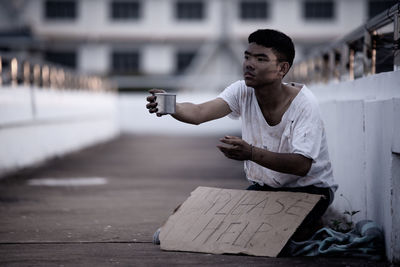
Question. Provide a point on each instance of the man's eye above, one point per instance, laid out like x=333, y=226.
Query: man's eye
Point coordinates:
x=246, y=57
x=262, y=59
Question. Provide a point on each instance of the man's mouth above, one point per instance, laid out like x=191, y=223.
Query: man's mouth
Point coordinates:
x=248, y=74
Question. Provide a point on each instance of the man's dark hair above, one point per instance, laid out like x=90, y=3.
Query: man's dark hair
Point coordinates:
x=279, y=42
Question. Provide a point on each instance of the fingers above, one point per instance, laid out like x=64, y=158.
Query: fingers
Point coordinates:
x=152, y=105
x=154, y=110
x=231, y=140
x=224, y=150
x=231, y=137
x=154, y=91
x=238, y=149
x=229, y=152
x=151, y=98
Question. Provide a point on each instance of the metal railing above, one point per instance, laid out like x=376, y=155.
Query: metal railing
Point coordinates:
x=16, y=71
x=362, y=52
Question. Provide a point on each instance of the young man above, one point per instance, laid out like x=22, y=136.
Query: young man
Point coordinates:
x=283, y=142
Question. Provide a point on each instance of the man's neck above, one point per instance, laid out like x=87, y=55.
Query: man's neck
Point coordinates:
x=271, y=96
x=274, y=100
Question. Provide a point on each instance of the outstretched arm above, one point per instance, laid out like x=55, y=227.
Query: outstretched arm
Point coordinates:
x=291, y=163
x=193, y=113
x=199, y=113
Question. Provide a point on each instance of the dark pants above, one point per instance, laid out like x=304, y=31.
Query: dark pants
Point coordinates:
x=316, y=213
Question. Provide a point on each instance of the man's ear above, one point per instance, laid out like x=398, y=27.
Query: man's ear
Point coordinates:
x=284, y=68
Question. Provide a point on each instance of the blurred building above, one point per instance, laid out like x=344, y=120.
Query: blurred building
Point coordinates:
x=171, y=44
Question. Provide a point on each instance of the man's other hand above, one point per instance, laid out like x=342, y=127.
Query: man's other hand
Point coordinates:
x=238, y=149
x=152, y=105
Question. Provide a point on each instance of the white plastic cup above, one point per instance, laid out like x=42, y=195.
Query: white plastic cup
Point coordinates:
x=166, y=103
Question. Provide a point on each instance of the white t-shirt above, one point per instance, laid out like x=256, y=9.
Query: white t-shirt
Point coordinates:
x=301, y=131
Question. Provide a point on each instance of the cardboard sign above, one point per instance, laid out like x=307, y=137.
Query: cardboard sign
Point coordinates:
x=215, y=220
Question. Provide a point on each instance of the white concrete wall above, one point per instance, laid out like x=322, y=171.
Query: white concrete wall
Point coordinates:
x=38, y=124
x=362, y=123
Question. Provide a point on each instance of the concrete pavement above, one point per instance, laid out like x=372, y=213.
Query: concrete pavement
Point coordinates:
x=113, y=223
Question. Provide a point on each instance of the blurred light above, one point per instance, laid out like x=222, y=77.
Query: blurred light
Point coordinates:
x=14, y=71
x=45, y=75
x=26, y=74
x=68, y=80
x=53, y=78
x=373, y=56
x=36, y=74
x=61, y=78
x=351, y=64
x=92, y=83
x=303, y=69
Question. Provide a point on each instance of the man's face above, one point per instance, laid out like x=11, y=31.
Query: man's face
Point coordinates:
x=261, y=66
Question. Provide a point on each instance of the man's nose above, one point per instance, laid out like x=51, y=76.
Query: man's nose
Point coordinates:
x=248, y=64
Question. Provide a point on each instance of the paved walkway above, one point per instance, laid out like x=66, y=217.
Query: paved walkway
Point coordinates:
x=113, y=223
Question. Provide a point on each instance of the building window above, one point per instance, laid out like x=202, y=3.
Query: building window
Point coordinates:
x=189, y=10
x=125, y=62
x=121, y=10
x=60, y=9
x=376, y=7
x=250, y=10
x=314, y=9
x=183, y=60
x=65, y=58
